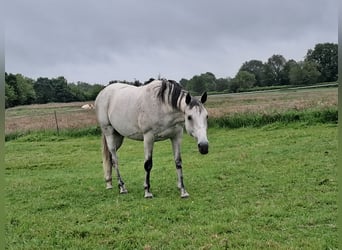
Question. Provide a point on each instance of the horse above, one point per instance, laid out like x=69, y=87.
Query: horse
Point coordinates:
x=153, y=112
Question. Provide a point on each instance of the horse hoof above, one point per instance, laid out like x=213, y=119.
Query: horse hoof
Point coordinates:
x=123, y=191
x=109, y=186
x=184, y=195
x=148, y=195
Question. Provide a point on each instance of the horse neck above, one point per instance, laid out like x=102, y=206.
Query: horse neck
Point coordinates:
x=166, y=95
x=182, y=104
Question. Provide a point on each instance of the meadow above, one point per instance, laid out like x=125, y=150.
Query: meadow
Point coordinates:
x=272, y=186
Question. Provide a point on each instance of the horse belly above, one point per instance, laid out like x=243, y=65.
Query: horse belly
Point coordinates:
x=123, y=116
x=163, y=126
x=126, y=126
x=169, y=132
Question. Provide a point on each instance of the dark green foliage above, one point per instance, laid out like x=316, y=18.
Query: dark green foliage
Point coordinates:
x=256, y=68
x=325, y=56
x=303, y=73
x=242, y=81
x=20, y=90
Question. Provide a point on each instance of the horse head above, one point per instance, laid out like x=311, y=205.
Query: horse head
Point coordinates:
x=196, y=121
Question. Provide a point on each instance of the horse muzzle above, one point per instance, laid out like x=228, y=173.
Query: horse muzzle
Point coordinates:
x=203, y=148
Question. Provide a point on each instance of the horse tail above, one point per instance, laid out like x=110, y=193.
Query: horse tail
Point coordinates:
x=107, y=162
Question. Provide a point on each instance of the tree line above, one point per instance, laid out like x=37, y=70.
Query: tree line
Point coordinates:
x=21, y=90
x=319, y=65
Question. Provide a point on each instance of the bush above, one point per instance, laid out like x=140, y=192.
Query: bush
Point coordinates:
x=258, y=120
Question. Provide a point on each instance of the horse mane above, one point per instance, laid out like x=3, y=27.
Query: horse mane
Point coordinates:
x=175, y=91
x=149, y=81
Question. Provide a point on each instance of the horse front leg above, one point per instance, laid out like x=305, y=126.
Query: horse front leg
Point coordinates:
x=148, y=149
x=176, y=142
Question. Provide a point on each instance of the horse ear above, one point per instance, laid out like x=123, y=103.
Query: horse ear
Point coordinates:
x=204, y=97
x=187, y=99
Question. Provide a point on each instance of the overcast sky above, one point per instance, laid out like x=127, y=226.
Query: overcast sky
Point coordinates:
x=98, y=41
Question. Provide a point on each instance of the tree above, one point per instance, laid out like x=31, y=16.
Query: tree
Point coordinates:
x=325, y=56
x=310, y=73
x=77, y=91
x=303, y=73
x=18, y=90
x=10, y=96
x=25, y=91
x=255, y=67
x=296, y=74
x=62, y=91
x=242, y=81
x=222, y=84
x=274, y=73
x=83, y=91
x=184, y=82
x=45, y=92
x=209, y=80
x=286, y=71
x=201, y=83
x=94, y=91
x=196, y=84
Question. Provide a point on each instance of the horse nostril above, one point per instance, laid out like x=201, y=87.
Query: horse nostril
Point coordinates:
x=203, y=148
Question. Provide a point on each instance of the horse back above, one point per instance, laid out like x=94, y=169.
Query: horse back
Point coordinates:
x=134, y=111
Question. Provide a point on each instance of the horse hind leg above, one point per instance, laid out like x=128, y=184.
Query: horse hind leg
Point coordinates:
x=113, y=141
x=107, y=163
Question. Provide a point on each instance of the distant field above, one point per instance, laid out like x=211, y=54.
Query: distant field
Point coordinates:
x=70, y=115
x=275, y=101
x=42, y=117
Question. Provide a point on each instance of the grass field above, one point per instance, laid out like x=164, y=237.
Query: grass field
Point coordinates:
x=268, y=188
x=270, y=185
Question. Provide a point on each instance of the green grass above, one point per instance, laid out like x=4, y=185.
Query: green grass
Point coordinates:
x=53, y=134
x=272, y=187
x=309, y=116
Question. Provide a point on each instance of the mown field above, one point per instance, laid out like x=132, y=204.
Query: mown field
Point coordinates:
x=267, y=187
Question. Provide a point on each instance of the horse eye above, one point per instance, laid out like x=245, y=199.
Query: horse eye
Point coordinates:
x=189, y=118
x=207, y=117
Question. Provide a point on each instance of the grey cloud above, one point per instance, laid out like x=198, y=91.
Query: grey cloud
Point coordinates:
x=87, y=40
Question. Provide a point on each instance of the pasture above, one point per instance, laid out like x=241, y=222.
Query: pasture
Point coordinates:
x=273, y=187
x=269, y=188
